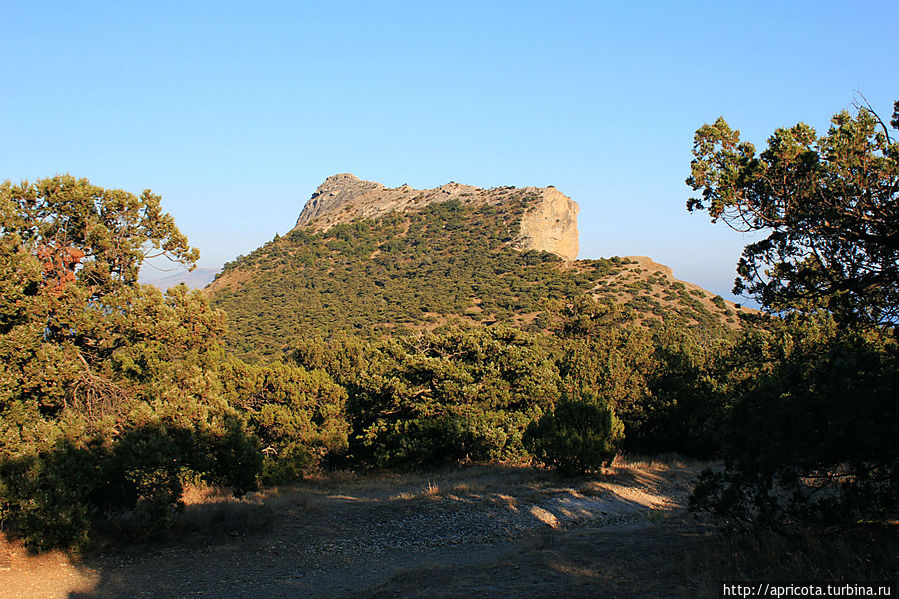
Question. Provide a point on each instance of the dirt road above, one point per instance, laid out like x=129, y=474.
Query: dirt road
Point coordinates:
x=481, y=531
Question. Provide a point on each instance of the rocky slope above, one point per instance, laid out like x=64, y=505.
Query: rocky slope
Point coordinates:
x=550, y=222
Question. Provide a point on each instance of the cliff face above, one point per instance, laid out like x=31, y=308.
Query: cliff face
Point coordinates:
x=550, y=222
x=552, y=225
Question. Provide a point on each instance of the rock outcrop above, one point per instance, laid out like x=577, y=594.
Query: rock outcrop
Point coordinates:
x=550, y=223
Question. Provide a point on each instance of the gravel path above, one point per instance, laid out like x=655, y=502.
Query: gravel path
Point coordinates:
x=354, y=540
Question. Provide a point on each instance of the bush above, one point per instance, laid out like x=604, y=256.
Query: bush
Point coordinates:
x=53, y=496
x=299, y=415
x=812, y=433
x=451, y=396
x=686, y=403
x=578, y=436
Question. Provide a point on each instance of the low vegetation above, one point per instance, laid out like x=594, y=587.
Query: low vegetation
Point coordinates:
x=580, y=435
x=425, y=339
x=446, y=263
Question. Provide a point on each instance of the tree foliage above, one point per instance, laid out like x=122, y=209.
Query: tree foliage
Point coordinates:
x=77, y=231
x=810, y=427
x=604, y=349
x=688, y=394
x=828, y=205
x=660, y=380
x=298, y=415
x=579, y=435
x=812, y=431
x=109, y=398
x=458, y=395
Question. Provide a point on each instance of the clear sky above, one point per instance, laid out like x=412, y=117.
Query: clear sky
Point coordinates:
x=235, y=112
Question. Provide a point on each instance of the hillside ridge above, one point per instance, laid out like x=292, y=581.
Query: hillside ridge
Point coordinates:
x=444, y=263
x=198, y=278
x=550, y=222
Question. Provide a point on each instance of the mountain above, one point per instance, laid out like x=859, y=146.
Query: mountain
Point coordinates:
x=197, y=278
x=371, y=260
x=550, y=222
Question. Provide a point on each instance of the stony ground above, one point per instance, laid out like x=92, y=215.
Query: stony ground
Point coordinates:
x=479, y=531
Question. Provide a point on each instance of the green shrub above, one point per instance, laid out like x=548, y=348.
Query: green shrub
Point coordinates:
x=299, y=415
x=684, y=404
x=53, y=495
x=812, y=433
x=450, y=396
x=577, y=436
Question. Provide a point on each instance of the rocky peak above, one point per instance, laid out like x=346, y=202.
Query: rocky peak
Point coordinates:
x=549, y=224
x=335, y=192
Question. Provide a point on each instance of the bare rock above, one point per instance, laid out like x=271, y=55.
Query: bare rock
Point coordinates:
x=549, y=224
x=552, y=225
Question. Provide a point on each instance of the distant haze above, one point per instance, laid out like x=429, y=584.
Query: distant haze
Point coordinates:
x=195, y=279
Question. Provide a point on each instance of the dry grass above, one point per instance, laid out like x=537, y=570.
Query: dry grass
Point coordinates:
x=863, y=553
x=212, y=512
x=662, y=463
x=208, y=512
x=209, y=509
x=474, y=482
x=429, y=491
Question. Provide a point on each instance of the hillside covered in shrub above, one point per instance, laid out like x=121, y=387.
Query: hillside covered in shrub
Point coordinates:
x=420, y=268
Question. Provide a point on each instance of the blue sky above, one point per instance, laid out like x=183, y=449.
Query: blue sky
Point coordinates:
x=235, y=112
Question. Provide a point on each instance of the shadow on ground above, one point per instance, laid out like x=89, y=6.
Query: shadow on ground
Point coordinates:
x=485, y=530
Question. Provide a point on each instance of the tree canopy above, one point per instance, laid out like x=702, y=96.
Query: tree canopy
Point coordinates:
x=108, y=394
x=828, y=205
x=80, y=231
x=809, y=432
